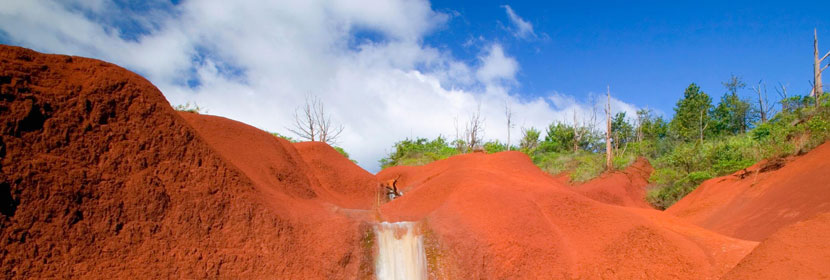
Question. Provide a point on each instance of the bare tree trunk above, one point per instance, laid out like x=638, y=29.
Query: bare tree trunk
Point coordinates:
x=762, y=108
x=702, y=126
x=577, y=133
x=782, y=92
x=609, y=154
x=508, y=112
x=817, y=69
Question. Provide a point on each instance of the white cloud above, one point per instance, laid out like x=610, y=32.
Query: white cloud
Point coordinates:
x=521, y=28
x=255, y=61
x=497, y=67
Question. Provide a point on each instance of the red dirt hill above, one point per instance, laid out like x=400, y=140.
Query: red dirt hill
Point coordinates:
x=350, y=185
x=755, y=203
x=499, y=216
x=623, y=187
x=102, y=179
x=797, y=251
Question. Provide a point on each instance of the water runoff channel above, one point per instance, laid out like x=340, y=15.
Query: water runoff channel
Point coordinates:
x=400, y=245
x=401, y=253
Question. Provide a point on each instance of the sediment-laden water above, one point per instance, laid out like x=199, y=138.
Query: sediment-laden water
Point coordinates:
x=401, y=252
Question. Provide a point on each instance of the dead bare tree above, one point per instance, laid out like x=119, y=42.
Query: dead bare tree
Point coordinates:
x=764, y=109
x=577, y=133
x=817, y=69
x=474, y=130
x=609, y=154
x=313, y=124
x=640, y=119
x=782, y=93
x=508, y=112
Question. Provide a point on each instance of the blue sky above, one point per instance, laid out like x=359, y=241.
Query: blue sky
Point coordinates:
x=393, y=69
x=648, y=51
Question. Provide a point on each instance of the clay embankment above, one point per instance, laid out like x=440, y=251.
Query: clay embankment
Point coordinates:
x=796, y=251
x=621, y=187
x=101, y=179
x=499, y=216
x=753, y=204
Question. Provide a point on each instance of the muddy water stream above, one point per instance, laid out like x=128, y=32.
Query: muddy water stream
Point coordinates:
x=401, y=252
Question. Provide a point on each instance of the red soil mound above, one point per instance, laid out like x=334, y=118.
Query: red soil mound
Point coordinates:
x=102, y=179
x=797, y=251
x=499, y=216
x=624, y=188
x=350, y=185
x=755, y=203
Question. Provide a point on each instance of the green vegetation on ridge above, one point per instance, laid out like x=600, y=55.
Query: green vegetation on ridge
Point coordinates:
x=702, y=141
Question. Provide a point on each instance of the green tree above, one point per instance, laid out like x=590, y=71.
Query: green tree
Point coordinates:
x=731, y=116
x=622, y=132
x=530, y=140
x=651, y=127
x=692, y=115
x=494, y=146
x=559, y=137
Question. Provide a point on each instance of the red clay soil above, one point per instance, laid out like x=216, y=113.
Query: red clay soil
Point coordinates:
x=350, y=185
x=102, y=179
x=797, y=251
x=623, y=187
x=755, y=203
x=500, y=217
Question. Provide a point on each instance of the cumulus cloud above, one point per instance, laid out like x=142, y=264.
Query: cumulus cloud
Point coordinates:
x=256, y=61
x=496, y=67
x=521, y=28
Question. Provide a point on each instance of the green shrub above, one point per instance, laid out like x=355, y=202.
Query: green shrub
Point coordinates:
x=494, y=147
x=344, y=153
x=589, y=166
x=192, y=108
x=289, y=139
x=583, y=165
x=624, y=160
x=418, y=152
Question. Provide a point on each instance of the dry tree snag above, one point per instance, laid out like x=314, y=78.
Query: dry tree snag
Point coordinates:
x=508, y=112
x=609, y=154
x=764, y=108
x=474, y=130
x=313, y=124
x=817, y=69
x=577, y=133
x=782, y=94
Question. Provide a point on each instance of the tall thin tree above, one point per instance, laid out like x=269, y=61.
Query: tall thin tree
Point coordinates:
x=817, y=69
x=508, y=112
x=609, y=154
x=782, y=93
x=577, y=133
